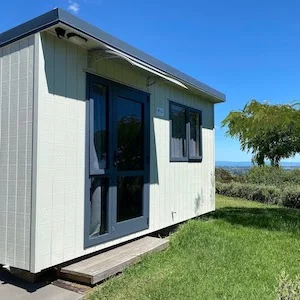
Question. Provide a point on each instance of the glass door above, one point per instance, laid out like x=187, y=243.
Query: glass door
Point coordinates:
x=131, y=160
x=117, y=179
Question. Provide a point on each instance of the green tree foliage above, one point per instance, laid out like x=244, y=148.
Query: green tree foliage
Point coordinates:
x=269, y=132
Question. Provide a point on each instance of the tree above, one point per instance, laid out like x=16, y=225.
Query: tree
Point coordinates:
x=269, y=132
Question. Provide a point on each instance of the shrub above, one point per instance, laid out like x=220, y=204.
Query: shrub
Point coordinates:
x=268, y=175
x=288, y=196
x=291, y=197
x=272, y=176
x=293, y=176
x=288, y=289
x=253, y=192
x=223, y=175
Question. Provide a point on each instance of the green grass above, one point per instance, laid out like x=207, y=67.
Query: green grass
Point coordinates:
x=236, y=252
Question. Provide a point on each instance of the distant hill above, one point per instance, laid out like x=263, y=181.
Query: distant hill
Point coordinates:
x=233, y=164
x=247, y=164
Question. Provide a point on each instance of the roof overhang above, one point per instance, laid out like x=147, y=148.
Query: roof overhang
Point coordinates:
x=112, y=45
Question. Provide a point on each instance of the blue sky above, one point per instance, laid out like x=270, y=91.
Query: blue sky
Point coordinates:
x=246, y=49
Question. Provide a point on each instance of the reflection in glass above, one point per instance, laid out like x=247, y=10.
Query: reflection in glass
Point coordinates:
x=98, y=206
x=99, y=149
x=178, y=139
x=130, y=148
x=129, y=197
x=194, y=145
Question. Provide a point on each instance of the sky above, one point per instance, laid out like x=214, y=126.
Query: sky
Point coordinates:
x=245, y=49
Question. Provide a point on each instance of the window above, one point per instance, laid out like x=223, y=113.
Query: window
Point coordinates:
x=185, y=133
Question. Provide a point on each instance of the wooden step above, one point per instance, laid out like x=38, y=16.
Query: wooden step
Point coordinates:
x=99, y=267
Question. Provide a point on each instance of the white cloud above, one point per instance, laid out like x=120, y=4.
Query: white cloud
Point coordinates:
x=73, y=7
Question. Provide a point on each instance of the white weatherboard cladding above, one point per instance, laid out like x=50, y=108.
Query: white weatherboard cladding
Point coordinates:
x=178, y=191
x=16, y=102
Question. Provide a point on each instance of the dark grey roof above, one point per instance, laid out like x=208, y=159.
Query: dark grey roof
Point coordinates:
x=60, y=16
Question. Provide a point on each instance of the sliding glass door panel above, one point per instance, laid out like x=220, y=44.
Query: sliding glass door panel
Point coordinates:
x=118, y=160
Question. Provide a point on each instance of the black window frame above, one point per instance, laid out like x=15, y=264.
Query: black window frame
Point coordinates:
x=187, y=158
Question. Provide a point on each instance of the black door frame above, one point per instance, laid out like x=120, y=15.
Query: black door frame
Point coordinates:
x=116, y=230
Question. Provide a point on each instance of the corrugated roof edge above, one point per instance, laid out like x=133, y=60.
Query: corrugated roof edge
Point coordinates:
x=58, y=15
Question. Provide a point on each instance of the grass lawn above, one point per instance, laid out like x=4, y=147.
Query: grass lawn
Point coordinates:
x=236, y=252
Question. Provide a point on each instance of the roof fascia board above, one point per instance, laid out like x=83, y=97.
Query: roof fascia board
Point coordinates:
x=35, y=25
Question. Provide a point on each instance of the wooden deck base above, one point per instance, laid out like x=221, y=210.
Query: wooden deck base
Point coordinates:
x=99, y=267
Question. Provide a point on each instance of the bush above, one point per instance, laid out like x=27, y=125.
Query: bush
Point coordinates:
x=253, y=192
x=268, y=175
x=294, y=176
x=288, y=289
x=288, y=196
x=272, y=176
x=291, y=197
x=265, y=184
x=223, y=175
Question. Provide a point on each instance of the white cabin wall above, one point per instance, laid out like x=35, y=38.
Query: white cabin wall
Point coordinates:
x=16, y=103
x=184, y=188
x=60, y=152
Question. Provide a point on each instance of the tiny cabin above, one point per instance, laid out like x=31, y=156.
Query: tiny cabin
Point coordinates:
x=100, y=143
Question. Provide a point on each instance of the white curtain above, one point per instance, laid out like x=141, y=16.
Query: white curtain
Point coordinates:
x=95, y=212
x=193, y=148
x=177, y=147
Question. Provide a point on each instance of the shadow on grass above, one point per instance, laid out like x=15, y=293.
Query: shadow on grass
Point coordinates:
x=275, y=219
